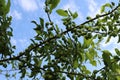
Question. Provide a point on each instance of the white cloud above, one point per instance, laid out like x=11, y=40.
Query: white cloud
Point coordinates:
x=28, y=5
x=16, y=15
x=93, y=8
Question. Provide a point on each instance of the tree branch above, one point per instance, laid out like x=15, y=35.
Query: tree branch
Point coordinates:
x=56, y=36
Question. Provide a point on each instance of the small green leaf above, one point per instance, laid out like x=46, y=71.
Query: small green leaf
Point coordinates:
x=38, y=38
x=104, y=6
x=113, y=4
x=89, y=56
x=42, y=22
x=107, y=5
x=106, y=57
x=75, y=15
x=108, y=39
x=87, y=72
x=62, y=12
x=87, y=43
x=32, y=42
x=39, y=62
x=93, y=62
x=102, y=9
x=10, y=33
x=75, y=64
x=54, y=4
x=117, y=51
x=7, y=7
x=38, y=30
x=57, y=29
x=34, y=22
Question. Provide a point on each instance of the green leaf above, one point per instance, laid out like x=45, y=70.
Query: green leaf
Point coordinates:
x=113, y=4
x=108, y=39
x=4, y=65
x=117, y=51
x=34, y=22
x=106, y=57
x=62, y=12
x=2, y=7
x=87, y=43
x=7, y=7
x=107, y=5
x=54, y=4
x=10, y=33
x=104, y=6
x=39, y=62
x=75, y=64
x=38, y=30
x=75, y=15
x=89, y=56
x=38, y=38
x=93, y=62
x=42, y=22
x=102, y=9
x=57, y=29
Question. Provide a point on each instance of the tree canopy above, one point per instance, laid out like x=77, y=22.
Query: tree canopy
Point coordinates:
x=59, y=54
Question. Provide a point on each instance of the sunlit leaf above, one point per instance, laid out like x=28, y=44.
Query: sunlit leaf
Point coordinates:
x=93, y=62
x=62, y=12
x=89, y=56
x=104, y=6
x=87, y=43
x=75, y=15
x=75, y=64
x=54, y=4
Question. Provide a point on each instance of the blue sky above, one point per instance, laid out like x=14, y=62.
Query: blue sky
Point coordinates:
x=24, y=11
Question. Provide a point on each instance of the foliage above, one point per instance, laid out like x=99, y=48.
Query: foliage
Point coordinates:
x=58, y=54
